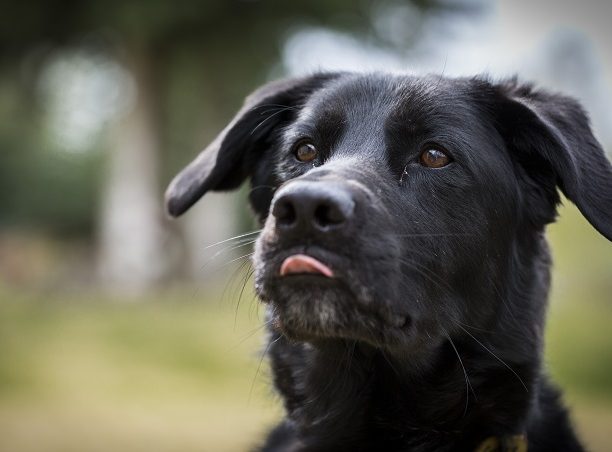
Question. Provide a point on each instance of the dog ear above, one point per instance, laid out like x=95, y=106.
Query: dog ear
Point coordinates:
x=233, y=154
x=553, y=130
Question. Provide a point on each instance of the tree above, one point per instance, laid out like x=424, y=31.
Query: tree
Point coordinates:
x=175, y=51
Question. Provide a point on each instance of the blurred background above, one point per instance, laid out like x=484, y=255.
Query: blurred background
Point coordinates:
x=122, y=330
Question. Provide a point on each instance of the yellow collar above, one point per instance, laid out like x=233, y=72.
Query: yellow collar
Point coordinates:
x=514, y=443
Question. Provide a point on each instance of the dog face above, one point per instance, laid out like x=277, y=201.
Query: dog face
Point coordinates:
x=393, y=206
x=395, y=201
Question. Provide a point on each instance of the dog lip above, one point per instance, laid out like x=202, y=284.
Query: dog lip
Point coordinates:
x=303, y=264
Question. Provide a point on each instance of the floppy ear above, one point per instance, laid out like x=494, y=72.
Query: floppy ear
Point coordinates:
x=553, y=130
x=232, y=156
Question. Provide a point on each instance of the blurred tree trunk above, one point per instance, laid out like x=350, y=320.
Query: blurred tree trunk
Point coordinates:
x=130, y=224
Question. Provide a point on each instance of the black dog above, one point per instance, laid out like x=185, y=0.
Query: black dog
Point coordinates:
x=403, y=257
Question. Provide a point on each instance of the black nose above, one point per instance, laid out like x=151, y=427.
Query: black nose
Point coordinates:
x=306, y=206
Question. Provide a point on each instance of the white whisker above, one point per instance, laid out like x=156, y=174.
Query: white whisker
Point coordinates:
x=234, y=238
x=468, y=385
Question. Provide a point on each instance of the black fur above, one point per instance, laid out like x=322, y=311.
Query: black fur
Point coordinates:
x=429, y=337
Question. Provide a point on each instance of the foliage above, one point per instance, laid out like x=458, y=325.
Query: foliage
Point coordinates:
x=201, y=57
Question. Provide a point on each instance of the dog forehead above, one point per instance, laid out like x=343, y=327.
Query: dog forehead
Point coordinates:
x=355, y=97
x=384, y=100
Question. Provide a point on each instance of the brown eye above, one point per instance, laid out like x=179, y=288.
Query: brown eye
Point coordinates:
x=434, y=158
x=305, y=152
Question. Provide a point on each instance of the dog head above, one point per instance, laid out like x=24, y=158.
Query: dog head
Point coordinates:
x=393, y=206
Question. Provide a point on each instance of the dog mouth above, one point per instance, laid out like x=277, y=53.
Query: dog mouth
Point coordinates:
x=316, y=294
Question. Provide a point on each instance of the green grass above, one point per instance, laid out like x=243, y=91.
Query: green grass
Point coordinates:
x=579, y=345
x=166, y=374
x=179, y=372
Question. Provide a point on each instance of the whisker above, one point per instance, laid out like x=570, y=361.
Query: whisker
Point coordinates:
x=249, y=334
x=225, y=250
x=504, y=302
x=468, y=385
x=442, y=73
x=234, y=260
x=424, y=271
x=268, y=118
x=244, y=283
x=263, y=355
x=496, y=357
x=245, y=270
x=386, y=358
x=254, y=306
x=474, y=327
x=230, y=282
x=288, y=107
x=234, y=238
x=245, y=280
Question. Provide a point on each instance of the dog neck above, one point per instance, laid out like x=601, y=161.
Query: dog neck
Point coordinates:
x=349, y=393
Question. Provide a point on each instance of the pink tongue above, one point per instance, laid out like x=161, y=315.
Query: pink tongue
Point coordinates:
x=300, y=263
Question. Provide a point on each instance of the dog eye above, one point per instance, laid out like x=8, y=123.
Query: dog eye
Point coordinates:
x=434, y=158
x=305, y=152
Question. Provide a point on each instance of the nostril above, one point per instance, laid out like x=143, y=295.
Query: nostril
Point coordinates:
x=284, y=212
x=326, y=215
